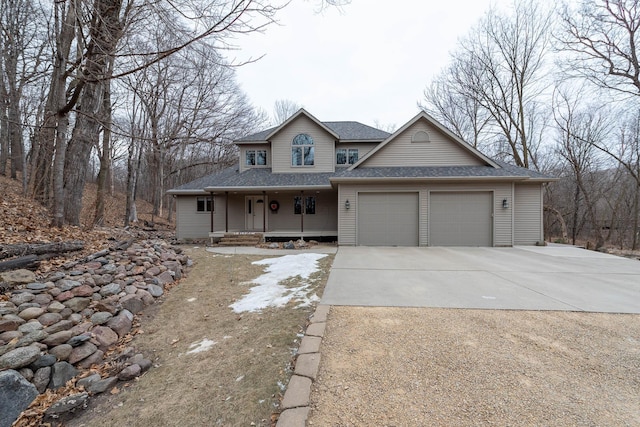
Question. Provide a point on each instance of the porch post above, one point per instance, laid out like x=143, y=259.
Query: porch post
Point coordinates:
x=226, y=211
x=211, y=212
x=264, y=211
x=302, y=211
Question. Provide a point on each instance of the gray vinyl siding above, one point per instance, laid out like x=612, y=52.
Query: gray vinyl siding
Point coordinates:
x=441, y=151
x=243, y=151
x=191, y=224
x=363, y=149
x=325, y=218
x=323, y=142
x=502, y=218
x=527, y=215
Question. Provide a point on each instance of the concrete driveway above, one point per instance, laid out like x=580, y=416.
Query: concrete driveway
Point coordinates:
x=519, y=278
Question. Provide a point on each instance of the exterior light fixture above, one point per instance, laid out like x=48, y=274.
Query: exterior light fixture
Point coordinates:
x=505, y=204
x=347, y=205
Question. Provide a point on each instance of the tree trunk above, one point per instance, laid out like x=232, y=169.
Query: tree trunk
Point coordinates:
x=105, y=158
x=105, y=32
x=54, y=116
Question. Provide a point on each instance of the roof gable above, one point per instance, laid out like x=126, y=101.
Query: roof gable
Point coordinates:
x=340, y=130
x=445, y=148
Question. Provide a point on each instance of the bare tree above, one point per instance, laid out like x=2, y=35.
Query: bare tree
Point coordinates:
x=462, y=114
x=602, y=36
x=283, y=109
x=497, y=80
x=579, y=130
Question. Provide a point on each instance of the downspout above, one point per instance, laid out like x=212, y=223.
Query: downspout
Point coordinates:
x=226, y=211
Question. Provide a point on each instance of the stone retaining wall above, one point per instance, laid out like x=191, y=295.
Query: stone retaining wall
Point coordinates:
x=55, y=327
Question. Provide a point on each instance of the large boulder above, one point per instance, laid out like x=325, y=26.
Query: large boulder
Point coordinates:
x=16, y=394
x=19, y=357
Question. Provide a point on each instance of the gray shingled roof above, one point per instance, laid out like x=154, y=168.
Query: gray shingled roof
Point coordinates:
x=264, y=178
x=441, y=172
x=345, y=130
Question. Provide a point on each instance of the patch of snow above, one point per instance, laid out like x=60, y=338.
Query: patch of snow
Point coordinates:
x=226, y=337
x=203, y=345
x=269, y=292
x=240, y=378
x=191, y=299
x=307, y=301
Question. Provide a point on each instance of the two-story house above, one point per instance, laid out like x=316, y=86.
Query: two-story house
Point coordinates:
x=346, y=181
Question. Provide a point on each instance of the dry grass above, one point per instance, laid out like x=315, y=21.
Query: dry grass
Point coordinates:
x=237, y=381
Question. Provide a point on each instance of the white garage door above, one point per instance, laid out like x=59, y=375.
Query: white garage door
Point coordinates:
x=461, y=219
x=388, y=219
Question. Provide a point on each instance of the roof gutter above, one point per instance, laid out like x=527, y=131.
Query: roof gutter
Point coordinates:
x=356, y=180
x=270, y=188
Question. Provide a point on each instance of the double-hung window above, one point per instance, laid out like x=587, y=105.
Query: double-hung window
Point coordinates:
x=307, y=203
x=256, y=158
x=302, y=150
x=204, y=204
x=346, y=156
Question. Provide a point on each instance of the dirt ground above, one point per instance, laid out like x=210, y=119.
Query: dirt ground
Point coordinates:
x=238, y=381
x=443, y=367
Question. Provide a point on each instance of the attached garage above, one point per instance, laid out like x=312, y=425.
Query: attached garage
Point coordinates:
x=388, y=219
x=461, y=218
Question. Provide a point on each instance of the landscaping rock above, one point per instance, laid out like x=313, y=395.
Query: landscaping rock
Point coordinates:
x=61, y=372
x=104, y=336
x=21, y=298
x=130, y=372
x=77, y=304
x=55, y=307
x=83, y=291
x=164, y=279
x=155, y=290
x=58, y=338
x=82, y=352
x=101, y=317
x=61, y=352
x=16, y=394
x=8, y=325
x=95, y=359
x=132, y=303
x=19, y=357
x=18, y=277
x=121, y=323
x=32, y=337
x=41, y=378
x=62, y=325
x=101, y=386
x=27, y=328
x=48, y=319
x=42, y=361
x=110, y=289
x=31, y=313
x=67, y=285
x=78, y=340
x=67, y=404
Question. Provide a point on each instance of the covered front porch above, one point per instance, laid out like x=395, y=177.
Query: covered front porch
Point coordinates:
x=277, y=215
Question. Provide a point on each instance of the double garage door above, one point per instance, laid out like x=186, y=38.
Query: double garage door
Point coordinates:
x=455, y=219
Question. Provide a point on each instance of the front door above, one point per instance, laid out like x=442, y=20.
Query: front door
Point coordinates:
x=254, y=212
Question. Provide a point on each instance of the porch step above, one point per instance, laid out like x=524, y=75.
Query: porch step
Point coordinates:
x=241, y=239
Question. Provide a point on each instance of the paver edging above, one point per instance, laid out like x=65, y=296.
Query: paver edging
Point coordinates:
x=297, y=398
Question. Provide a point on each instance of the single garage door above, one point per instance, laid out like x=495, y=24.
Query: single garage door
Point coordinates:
x=388, y=219
x=460, y=219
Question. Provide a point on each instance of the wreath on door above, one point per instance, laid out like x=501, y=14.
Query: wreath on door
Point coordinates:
x=274, y=206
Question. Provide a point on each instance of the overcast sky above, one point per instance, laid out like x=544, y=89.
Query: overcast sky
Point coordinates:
x=369, y=61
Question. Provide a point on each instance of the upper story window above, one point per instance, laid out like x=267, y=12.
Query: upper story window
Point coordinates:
x=302, y=150
x=204, y=204
x=346, y=156
x=256, y=158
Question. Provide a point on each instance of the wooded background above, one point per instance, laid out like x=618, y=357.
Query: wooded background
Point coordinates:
x=138, y=96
